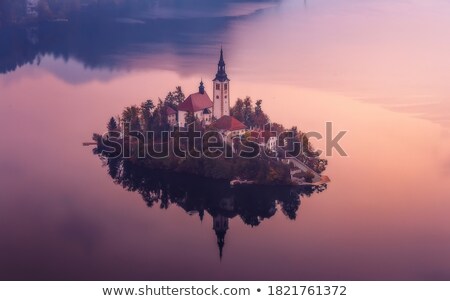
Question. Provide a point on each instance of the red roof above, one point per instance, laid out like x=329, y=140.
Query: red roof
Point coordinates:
x=170, y=111
x=229, y=123
x=196, y=102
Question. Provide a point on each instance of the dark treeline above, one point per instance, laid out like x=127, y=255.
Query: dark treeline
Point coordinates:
x=20, y=11
x=95, y=41
x=95, y=32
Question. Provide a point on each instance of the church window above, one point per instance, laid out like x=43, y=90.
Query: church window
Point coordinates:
x=217, y=96
x=217, y=86
x=226, y=86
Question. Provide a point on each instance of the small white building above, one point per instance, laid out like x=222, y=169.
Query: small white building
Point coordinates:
x=264, y=141
x=271, y=144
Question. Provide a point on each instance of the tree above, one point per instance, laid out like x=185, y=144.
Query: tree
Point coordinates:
x=112, y=124
x=251, y=116
x=146, y=112
x=131, y=115
x=174, y=98
x=293, y=138
x=290, y=206
x=260, y=119
x=147, y=105
x=258, y=108
x=237, y=110
x=248, y=112
x=179, y=95
x=159, y=119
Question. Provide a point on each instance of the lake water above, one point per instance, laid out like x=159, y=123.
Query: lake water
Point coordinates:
x=376, y=69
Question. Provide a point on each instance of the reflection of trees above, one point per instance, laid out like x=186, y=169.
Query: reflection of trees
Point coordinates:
x=102, y=39
x=199, y=195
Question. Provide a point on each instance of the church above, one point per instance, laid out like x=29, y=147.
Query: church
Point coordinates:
x=215, y=112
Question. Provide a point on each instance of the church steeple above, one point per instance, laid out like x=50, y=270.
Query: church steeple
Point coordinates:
x=201, y=88
x=221, y=241
x=221, y=74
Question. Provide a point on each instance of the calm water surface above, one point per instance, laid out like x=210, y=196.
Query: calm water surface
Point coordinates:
x=378, y=69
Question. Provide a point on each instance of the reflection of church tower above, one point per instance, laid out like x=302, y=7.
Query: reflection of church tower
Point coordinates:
x=220, y=226
x=221, y=90
x=201, y=214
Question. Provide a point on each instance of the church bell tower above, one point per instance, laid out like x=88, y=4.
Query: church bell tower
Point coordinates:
x=221, y=90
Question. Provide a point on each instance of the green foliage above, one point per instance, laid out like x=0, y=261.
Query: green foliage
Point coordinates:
x=247, y=113
x=112, y=124
x=146, y=114
x=151, y=117
x=132, y=115
x=174, y=98
x=237, y=111
x=96, y=137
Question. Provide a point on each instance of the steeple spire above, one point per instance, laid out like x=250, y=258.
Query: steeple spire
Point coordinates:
x=221, y=241
x=221, y=75
x=201, y=214
x=221, y=60
x=201, y=88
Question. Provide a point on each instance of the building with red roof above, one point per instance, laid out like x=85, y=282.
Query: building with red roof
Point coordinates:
x=199, y=105
x=229, y=126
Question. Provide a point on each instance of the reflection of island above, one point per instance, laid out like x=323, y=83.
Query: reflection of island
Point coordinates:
x=196, y=195
x=129, y=39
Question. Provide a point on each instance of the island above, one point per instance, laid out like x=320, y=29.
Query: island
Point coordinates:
x=208, y=138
